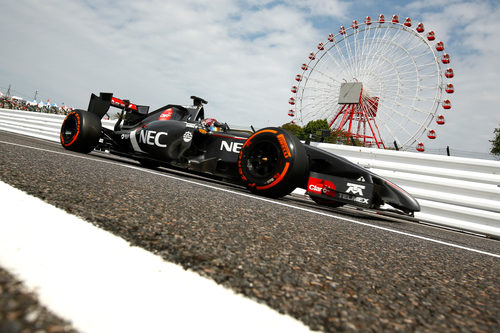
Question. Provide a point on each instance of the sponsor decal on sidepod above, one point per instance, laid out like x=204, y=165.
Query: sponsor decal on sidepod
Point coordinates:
x=232, y=146
x=188, y=136
x=152, y=138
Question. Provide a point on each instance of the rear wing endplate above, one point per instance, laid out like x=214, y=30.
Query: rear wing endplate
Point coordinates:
x=99, y=105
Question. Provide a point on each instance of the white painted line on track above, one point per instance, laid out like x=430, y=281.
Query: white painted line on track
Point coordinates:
x=102, y=284
x=338, y=217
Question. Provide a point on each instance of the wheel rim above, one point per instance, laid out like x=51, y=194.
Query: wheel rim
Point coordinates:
x=69, y=129
x=263, y=160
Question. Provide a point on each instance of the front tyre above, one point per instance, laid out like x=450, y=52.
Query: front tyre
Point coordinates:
x=80, y=131
x=273, y=162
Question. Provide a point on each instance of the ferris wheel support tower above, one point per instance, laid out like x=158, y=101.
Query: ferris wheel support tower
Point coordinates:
x=360, y=110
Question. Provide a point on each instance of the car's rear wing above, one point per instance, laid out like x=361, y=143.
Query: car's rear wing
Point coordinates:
x=99, y=105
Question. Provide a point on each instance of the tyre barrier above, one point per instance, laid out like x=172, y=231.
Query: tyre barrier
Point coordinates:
x=454, y=192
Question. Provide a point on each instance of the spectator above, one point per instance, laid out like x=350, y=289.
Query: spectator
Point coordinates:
x=19, y=104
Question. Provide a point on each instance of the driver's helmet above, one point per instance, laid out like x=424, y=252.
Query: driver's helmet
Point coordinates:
x=211, y=124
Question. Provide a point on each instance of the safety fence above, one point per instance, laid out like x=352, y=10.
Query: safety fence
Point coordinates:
x=455, y=192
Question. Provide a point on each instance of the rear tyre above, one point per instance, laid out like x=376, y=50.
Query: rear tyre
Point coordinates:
x=80, y=131
x=273, y=162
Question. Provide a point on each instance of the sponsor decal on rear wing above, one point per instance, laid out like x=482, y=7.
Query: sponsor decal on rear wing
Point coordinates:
x=122, y=104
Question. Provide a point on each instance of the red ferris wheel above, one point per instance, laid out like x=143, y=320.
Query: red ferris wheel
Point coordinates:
x=383, y=82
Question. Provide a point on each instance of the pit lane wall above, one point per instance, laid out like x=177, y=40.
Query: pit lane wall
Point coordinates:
x=456, y=192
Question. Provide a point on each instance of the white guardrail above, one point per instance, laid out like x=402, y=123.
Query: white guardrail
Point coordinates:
x=455, y=192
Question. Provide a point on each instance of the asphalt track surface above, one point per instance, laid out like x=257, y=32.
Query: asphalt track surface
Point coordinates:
x=334, y=270
x=20, y=310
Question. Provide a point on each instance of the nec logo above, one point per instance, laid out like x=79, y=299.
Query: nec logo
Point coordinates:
x=152, y=138
x=233, y=147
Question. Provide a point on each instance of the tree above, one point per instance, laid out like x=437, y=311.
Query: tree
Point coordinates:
x=294, y=129
x=495, y=143
x=318, y=130
x=315, y=126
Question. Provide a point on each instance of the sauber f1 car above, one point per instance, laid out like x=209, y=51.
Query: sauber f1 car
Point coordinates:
x=269, y=162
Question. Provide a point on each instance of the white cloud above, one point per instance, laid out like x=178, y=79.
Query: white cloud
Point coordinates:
x=160, y=51
x=239, y=55
x=333, y=8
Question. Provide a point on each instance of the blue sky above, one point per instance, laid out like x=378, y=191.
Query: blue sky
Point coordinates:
x=241, y=56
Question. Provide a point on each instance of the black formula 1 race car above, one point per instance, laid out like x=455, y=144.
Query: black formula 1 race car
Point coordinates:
x=270, y=162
